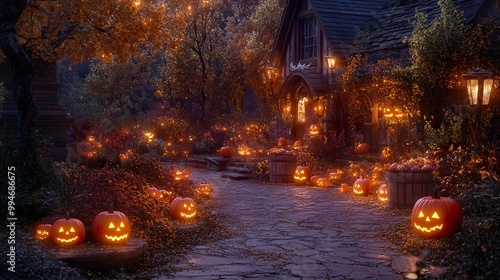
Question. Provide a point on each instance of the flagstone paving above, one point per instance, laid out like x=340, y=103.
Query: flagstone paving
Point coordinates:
x=293, y=232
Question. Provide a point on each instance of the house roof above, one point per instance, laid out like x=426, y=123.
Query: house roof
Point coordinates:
x=386, y=30
x=375, y=24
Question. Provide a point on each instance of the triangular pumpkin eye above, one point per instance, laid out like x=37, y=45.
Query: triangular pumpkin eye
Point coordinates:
x=61, y=229
x=185, y=205
x=122, y=224
x=421, y=214
x=71, y=229
x=111, y=225
x=435, y=215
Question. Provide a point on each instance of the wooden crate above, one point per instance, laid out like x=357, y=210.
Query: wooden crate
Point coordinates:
x=282, y=167
x=405, y=188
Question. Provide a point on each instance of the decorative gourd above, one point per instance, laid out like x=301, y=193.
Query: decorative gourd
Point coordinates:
x=183, y=208
x=42, y=231
x=67, y=232
x=111, y=227
x=344, y=188
x=282, y=141
x=323, y=182
x=226, y=151
x=204, y=189
x=302, y=174
x=436, y=217
x=382, y=193
x=361, y=186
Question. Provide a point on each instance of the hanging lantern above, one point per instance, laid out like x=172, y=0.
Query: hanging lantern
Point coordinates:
x=479, y=86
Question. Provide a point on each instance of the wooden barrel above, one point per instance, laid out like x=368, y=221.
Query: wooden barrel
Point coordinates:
x=405, y=188
x=282, y=167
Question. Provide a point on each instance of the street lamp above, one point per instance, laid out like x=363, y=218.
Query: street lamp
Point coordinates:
x=479, y=85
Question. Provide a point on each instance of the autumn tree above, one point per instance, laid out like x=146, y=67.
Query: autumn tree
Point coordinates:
x=51, y=30
x=202, y=76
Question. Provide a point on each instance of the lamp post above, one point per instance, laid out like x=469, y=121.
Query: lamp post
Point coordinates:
x=479, y=86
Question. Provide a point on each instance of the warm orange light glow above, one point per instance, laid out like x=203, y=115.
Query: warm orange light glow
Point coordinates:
x=330, y=60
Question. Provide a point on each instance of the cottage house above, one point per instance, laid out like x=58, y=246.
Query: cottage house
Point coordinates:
x=316, y=39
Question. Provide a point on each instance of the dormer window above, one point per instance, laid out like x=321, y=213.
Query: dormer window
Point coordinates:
x=308, y=38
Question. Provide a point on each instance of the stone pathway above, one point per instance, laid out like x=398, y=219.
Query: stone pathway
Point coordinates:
x=293, y=232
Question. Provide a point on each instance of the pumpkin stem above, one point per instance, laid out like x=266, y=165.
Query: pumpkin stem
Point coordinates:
x=67, y=215
x=110, y=208
x=435, y=191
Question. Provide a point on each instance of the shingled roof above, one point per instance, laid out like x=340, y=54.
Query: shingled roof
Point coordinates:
x=376, y=24
x=386, y=30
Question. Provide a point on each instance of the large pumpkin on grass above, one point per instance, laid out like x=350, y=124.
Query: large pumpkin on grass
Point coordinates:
x=111, y=227
x=436, y=217
x=183, y=208
x=67, y=232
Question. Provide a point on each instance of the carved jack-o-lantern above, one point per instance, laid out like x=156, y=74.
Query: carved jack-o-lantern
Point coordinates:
x=152, y=191
x=323, y=182
x=336, y=176
x=183, y=208
x=314, y=179
x=67, y=232
x=361, y=187
x=204, y=189
x=314, y=129
x=111, y=227
x=164, y=195
x=344, y=188
x=302, y=174
x=42, y=231
x=436, y=217
x=382, y=193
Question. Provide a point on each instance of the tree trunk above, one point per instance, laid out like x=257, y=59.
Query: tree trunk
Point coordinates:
x=22, y=66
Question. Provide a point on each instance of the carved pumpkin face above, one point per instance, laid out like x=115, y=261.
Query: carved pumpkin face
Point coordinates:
x=67, y=232
x=302, y=174
x=183, y=208
x=336, y=176
x=323, y=182
x=164, y=195
x=382, y=193
x=152, y=191
x=314, y=129
x=436, y=217
x=361, y=187
x=111, y=227
x=204, y=189
x=42, y=231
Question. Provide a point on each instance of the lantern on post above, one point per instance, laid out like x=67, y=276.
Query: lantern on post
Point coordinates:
x=319, y=109
x=271, y=71
x=330, y=60
x=479, y=86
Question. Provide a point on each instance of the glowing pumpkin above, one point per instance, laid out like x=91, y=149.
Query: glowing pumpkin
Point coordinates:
x=226, y=152
x=282, y=141
x=382, y=193
x=344, y=188
x=111, y=227
x=183, y=208
x=302, y=174
x=152, y=191
x=314, y=129
x=204, y=189
x=164, y=195
x=336, y=176
x=323, y=182
x=67, y=232
x=42, y=231
x=436, y=217
x=361, y=187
